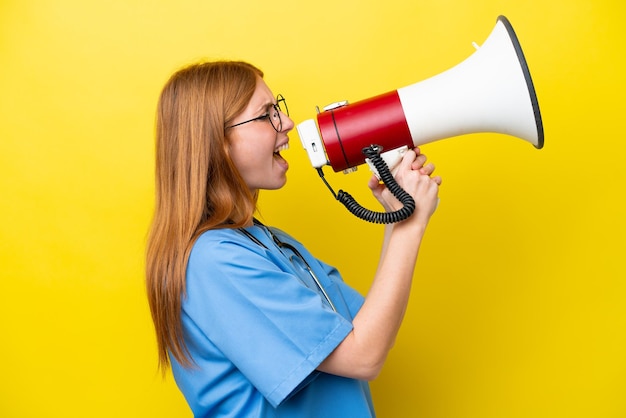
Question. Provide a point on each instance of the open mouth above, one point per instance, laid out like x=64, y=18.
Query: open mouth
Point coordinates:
x=283, y=147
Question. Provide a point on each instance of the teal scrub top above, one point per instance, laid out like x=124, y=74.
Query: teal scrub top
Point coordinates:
x=257, y=327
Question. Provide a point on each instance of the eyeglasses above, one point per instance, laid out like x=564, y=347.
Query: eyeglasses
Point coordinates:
x=273, y=114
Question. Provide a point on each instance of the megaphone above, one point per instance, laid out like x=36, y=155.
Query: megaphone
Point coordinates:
x=491, y=91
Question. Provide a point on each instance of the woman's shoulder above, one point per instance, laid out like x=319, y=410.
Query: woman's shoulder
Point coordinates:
x=220, y=250
x=217, y=235
x=222, y=240
x=283, y=236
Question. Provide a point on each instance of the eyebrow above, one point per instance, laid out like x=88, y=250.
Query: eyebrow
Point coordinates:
x=271, y=103
x=264, y=108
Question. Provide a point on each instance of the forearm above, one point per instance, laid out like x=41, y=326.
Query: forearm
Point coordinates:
x=386, y=236
x=363, y=352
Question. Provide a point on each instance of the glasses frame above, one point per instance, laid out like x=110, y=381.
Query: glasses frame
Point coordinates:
x=277, y=106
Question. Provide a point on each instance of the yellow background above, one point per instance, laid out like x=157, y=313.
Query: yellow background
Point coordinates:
x=519, y=302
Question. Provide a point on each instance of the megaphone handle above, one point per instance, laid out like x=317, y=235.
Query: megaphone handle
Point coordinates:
x=373, y=153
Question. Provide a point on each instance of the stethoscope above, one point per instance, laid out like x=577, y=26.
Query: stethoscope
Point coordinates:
x=295, y=251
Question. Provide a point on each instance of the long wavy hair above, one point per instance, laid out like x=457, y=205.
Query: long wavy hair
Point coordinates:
x=198, y=187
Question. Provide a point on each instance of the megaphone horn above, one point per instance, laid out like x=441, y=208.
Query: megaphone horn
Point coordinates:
x=491, y=91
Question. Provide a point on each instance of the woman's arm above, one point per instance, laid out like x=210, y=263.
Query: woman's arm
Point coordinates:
x=363, y=352
x=387, y=200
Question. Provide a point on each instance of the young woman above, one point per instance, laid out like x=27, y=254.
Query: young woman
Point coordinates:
x=251, y=323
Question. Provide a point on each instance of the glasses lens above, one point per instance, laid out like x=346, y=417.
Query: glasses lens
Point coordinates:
x=274, y=113
x=282, y=104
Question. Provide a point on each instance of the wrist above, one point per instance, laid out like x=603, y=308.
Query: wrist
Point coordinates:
x=414, y=223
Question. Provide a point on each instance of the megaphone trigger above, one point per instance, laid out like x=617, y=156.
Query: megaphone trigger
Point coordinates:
x=392, y=158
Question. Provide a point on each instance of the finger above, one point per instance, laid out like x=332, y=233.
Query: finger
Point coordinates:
x=373, y=182
x=419, y=162
x=408, y=158
x=428, y=169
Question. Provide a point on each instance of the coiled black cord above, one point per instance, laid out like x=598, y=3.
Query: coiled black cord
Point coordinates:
x=373, y=153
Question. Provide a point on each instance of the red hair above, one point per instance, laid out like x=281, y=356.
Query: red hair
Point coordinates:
x=197, y=185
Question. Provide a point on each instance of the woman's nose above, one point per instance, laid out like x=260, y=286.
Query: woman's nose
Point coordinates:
x=288, y=124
